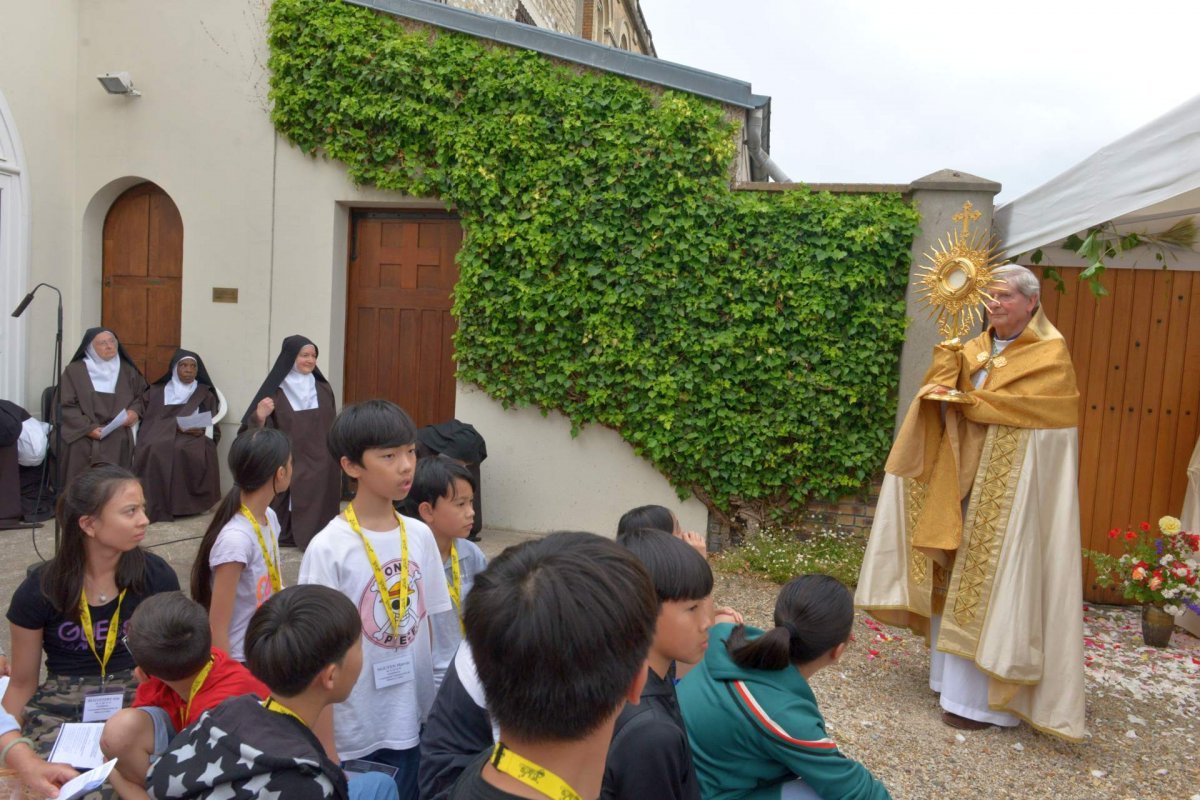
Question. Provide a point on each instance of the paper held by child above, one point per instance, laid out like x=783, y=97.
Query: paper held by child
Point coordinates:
x=78, y=744
x=89, y=781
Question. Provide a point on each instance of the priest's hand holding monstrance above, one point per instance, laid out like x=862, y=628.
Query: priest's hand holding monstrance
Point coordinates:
x=955, y=284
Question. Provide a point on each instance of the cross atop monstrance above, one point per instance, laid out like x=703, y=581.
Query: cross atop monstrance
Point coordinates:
x=967, y=216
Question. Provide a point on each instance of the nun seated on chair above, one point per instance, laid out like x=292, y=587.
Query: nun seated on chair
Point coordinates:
x=101, y=402
x=176, y=454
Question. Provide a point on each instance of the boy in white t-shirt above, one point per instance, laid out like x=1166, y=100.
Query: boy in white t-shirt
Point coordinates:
x=409, y=628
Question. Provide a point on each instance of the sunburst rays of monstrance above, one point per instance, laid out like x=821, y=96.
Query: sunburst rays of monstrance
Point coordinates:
x=955, y=282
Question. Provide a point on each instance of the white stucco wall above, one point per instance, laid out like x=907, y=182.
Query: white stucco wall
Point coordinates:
x=257, y=215
x=538, y=478
x=37, y=76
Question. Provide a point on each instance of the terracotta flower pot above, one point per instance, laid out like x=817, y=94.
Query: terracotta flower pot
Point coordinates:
x=1157, y=626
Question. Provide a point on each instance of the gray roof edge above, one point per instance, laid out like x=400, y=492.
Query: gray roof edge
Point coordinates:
x=570, y=48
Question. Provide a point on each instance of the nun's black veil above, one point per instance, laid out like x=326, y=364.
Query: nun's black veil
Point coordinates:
x=292, y=346
x=201, y=372
x=92, y=333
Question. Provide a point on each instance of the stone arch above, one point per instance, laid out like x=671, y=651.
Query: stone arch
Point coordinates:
x=15, y=231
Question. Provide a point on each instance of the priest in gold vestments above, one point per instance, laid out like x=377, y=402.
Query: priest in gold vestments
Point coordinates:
x=976, y=542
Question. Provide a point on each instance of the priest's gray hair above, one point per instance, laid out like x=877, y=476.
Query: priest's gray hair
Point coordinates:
x=1020, y=278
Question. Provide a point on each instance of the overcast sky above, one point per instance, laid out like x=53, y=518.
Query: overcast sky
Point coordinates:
x=883, y=91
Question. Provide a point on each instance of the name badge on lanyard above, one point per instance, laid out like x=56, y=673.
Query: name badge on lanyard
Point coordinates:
x=394, y=671
x=103, y=704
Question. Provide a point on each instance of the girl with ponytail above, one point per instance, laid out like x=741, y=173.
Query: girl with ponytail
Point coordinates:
x=237, y=567
x=752, y=719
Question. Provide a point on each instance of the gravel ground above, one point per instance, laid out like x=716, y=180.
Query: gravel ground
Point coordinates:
x=1143, y=716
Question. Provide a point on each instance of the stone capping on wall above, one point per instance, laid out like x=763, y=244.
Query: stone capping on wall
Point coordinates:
x=836, y=188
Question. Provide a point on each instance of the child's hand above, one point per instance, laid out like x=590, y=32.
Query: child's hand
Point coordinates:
x=727, y=614
x=695, y=540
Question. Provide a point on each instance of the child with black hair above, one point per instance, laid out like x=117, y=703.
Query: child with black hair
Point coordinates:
x=443, y=496
x=303, y=643
x=649, y=755
x=388, y=565
x=559, y=628
x=181, y=676
x=752, y=720
x=237, y=566
x=659, y=518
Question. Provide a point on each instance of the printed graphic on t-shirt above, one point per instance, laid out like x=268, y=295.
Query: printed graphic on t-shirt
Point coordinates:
x=72, y=637
x=262, y=590
x=377, y=625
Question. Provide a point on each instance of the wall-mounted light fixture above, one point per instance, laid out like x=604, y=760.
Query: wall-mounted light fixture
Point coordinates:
x=118, y=83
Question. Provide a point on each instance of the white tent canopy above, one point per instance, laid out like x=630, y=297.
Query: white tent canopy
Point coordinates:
x=1142, y=183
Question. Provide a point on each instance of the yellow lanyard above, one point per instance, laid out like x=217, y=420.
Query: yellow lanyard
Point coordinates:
x=110, y=639
x=196, y=684
x=456, y=584
x=394, y=615
x=276, y=581
x=272, y=704
x=530, y=774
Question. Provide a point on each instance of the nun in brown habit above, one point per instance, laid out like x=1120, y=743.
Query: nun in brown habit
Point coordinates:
x=100, y=384
x=296, y=399
x=178, y=468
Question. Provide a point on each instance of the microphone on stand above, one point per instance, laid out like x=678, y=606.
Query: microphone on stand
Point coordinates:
x=25, y=303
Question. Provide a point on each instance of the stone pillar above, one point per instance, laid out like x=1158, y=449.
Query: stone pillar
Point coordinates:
x=938, y=197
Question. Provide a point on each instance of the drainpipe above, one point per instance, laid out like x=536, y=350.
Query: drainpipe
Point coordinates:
x=760, y=157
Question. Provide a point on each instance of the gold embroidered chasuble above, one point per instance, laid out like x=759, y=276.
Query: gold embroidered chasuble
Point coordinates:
x=978, y=521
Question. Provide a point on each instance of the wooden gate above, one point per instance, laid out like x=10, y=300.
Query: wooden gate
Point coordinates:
x=143, y=270
x=398, y=323
x=1137, y=359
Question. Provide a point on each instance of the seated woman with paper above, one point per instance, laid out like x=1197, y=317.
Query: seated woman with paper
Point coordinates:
x=176, y=453
x=102, y=392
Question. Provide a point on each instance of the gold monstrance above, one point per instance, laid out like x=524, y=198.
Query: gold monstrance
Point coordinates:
x=955, y=282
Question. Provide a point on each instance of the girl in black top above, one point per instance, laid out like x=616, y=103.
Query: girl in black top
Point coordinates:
x=73, y=607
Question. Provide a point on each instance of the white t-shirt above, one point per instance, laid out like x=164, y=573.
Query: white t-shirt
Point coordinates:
x=237, y=543
x=390, y=717
x=471, y=562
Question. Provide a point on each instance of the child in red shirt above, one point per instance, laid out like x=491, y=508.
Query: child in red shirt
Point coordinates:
x=182, y=675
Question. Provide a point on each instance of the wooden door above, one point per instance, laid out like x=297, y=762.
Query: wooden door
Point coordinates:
x=143, y=274
x=1137, y=359
x=398, y=323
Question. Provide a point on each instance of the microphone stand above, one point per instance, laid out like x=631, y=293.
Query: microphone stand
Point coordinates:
x=57, y=394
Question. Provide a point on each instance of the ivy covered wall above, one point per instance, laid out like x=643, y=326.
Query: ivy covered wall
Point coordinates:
x=745, y=343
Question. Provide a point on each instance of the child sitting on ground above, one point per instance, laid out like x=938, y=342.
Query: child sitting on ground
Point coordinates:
x=660, y=518
x=181, y=676
x=559, y=628
x=443, y=497
x=388, y=565
x=304, y=644
x=649, y=755
x=752, y=719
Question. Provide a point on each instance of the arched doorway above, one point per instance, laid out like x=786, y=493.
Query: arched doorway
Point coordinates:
x=142, y=292
x=14, y=256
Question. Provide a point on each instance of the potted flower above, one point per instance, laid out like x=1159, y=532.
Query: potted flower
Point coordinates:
x=1159, y=570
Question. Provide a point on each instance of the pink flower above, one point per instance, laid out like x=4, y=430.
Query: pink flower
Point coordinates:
x=1156, y=581
x=1139, y=571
